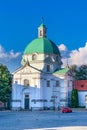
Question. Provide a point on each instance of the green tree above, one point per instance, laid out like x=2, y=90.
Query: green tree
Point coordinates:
x=73, y=68
x=74, y=71
x=81, y=74
x=5, y=83
x=74, y=98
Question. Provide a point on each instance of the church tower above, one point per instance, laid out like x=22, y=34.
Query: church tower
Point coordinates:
x=42, y=30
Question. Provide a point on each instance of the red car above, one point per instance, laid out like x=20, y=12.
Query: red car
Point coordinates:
x=66, y=110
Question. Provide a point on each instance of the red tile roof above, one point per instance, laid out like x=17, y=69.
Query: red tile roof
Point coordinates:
x=80, y=85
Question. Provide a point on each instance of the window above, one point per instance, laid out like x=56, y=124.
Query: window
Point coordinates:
x=16, y=82
x=48, y=68
x=57, y=83
x=34, y=57
x=40, y=33
x=48, y=83
x=26, y=82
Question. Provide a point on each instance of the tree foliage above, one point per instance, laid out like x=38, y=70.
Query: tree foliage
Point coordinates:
x=79, y=73
x=5, y=83
x=74, y=68
x=82, y=73
x=74, y=98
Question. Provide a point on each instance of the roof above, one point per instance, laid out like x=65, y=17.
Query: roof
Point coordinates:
x=27, y=64
x=42, y=25
x=61, y=71
x=41, y=45
x=80, y=85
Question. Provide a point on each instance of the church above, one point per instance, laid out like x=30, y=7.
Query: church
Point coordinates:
x=40, y=83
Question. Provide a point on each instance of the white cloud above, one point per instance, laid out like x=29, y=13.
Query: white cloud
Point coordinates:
x=8, y=55
x=62, y=47
x=78, y=56
x=11, y=59
x=64, y=51
x=2, y=52
x=14, y=55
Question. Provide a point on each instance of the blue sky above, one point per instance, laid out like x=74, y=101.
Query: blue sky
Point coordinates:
x=66, y=22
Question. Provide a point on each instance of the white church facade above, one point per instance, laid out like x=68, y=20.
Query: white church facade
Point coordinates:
x=40, y=83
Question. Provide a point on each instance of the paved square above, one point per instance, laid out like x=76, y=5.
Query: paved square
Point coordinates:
x=43, y=120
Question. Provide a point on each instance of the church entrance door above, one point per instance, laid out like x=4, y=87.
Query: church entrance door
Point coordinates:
x=26, y=105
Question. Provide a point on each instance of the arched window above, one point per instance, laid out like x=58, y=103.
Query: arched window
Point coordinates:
x=26, y=82
x=40, y=32
x=48, y=68
x=34, y=57
x=16, y=82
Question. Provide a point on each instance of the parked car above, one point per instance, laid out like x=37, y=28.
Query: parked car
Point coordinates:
x=66, y=110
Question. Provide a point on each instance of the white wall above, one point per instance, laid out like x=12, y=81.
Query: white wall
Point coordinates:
x=81, y=97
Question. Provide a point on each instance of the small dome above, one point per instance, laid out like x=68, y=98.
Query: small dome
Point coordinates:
x=41, y=45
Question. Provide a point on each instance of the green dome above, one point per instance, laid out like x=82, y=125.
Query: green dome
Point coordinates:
x=41, y=45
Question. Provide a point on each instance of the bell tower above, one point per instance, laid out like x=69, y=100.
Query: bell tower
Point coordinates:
x=42, y=30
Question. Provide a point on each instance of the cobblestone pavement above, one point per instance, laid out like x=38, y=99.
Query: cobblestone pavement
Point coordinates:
x=43, y=120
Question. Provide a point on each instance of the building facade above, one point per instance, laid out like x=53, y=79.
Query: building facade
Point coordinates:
x=40, y=83
x=81, y=86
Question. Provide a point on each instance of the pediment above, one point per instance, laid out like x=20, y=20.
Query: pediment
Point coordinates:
x=25, y=70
